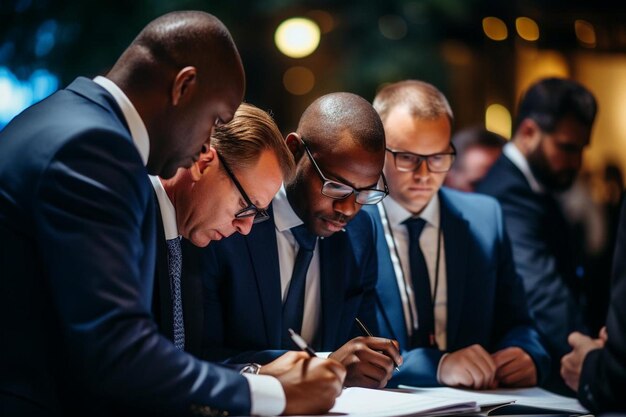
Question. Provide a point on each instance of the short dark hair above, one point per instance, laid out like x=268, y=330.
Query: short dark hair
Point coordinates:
x=550, y=100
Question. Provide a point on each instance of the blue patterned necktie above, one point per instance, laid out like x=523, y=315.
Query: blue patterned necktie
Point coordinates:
x=293, y=308
x=175, y=263
x=424, y=336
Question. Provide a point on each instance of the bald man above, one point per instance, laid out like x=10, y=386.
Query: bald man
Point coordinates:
x=312, y=267
x=77, y=222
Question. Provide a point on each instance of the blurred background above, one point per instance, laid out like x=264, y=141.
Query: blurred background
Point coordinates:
x=481, y=53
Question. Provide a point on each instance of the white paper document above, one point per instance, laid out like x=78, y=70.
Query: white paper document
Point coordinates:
x=385, y=403
x=530, y=397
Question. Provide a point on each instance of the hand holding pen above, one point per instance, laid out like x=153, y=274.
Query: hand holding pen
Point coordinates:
x=370, y=361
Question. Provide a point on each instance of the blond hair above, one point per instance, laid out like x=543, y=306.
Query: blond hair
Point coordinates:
x=251, y=131
x=423, y=100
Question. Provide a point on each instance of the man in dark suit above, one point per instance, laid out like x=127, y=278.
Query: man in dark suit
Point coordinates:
x=447, y=287
x=225, y=191
x=283, y=276
x=596, y=368
x=77, y=223
x=553, y=128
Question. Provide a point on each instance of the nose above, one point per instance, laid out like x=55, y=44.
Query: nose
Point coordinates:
x=243, y=225
x=421, y=171
x=346, y=206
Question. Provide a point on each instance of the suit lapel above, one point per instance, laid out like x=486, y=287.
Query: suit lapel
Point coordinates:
x=191, y=288
x=263, y=251
x=456, y=235
x=335, y=266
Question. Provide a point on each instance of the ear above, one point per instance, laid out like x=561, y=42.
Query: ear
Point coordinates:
x=185, y=83
x=207, y=159
x=294, y=144
x=528, y=136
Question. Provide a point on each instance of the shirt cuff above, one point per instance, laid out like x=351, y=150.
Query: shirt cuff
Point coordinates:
x=439, y=368
x=323, y=355
x=267, y=396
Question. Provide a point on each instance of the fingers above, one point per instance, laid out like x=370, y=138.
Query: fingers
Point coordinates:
x=576, y=338
x=469, y=367
x=604, y=335
x=387, y=346
x=515, y=368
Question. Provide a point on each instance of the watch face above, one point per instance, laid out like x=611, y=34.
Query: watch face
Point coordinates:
x=251, y=368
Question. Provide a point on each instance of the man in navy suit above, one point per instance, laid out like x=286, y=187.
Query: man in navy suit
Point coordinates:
x=77, y=223
x=553, y=127
x=312, y=266
x=596, y=368
x=224, y=192
x=447, y=287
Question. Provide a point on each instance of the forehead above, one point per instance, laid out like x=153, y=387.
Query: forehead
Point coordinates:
x=406, y=132
x=262, y=180
x=349, y=162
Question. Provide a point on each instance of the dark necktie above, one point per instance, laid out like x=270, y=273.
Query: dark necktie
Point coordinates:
x=175, y=263
x=293, y=308
x=424, y=336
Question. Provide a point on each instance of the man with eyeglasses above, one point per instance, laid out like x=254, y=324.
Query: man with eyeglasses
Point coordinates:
x=224, y=192
x=447, y=287
x=312, y=267
x=552, y=129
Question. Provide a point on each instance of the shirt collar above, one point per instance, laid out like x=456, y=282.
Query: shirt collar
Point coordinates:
x=138, y=130
x=284, y=216
x=168, y=212
x=519, y=160
x=398, y=214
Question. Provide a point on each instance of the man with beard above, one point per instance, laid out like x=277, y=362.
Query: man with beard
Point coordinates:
x=312, y=266
x=553, y=128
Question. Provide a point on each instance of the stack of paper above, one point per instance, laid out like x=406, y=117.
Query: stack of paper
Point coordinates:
x=383, y=403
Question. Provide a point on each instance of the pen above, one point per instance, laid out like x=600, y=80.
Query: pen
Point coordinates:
x=298, y=340
x=368, y=333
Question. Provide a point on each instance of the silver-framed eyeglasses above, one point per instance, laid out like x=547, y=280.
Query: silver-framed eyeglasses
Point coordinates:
x=339, y=191
x=436, y=162
x=251, y=210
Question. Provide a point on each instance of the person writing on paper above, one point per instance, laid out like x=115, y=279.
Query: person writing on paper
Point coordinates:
x=596, y=368
x=447, y=287
x=312, y=266
x=77, y=215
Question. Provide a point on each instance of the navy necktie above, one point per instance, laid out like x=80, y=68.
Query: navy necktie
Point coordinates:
x=424, y=336
x=175, y=263
x=293, y=308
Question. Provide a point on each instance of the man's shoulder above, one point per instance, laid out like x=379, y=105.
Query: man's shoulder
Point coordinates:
x=469, y=204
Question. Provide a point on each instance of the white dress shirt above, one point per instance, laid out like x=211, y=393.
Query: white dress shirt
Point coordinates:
x=519, y=160
x=395, y=214
x=267, y=396
x=284, y=219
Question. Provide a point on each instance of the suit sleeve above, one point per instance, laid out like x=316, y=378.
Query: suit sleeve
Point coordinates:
x=92, y=204
x=603, y=376
x=513, y=325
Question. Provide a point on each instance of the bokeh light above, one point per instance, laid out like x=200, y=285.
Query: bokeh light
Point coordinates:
x=297, y=37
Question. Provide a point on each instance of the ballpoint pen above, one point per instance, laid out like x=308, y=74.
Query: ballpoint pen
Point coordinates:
x=301, y=343
x=368, y=333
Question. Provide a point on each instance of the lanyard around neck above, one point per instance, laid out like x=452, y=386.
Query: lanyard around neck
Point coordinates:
x=404, y=283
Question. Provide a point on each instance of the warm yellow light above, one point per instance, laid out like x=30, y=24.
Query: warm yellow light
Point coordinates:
x=527, y=28
x=298, y=80
x=297, y=37
x=498, y=120
x=585, y=33
x=495, y=29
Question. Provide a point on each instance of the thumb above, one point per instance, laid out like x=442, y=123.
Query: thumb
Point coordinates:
x=575, y=339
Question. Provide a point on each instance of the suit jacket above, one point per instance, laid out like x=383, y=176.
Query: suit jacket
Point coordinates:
x=242, y=301
x=603, y=376
x=544, y=258
x=77, y=225
x=486, y=303
x=191, y=292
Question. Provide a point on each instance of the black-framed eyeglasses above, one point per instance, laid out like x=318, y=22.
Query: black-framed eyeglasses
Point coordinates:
x=259, y=214
x=339, y=191
x=436, y=162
